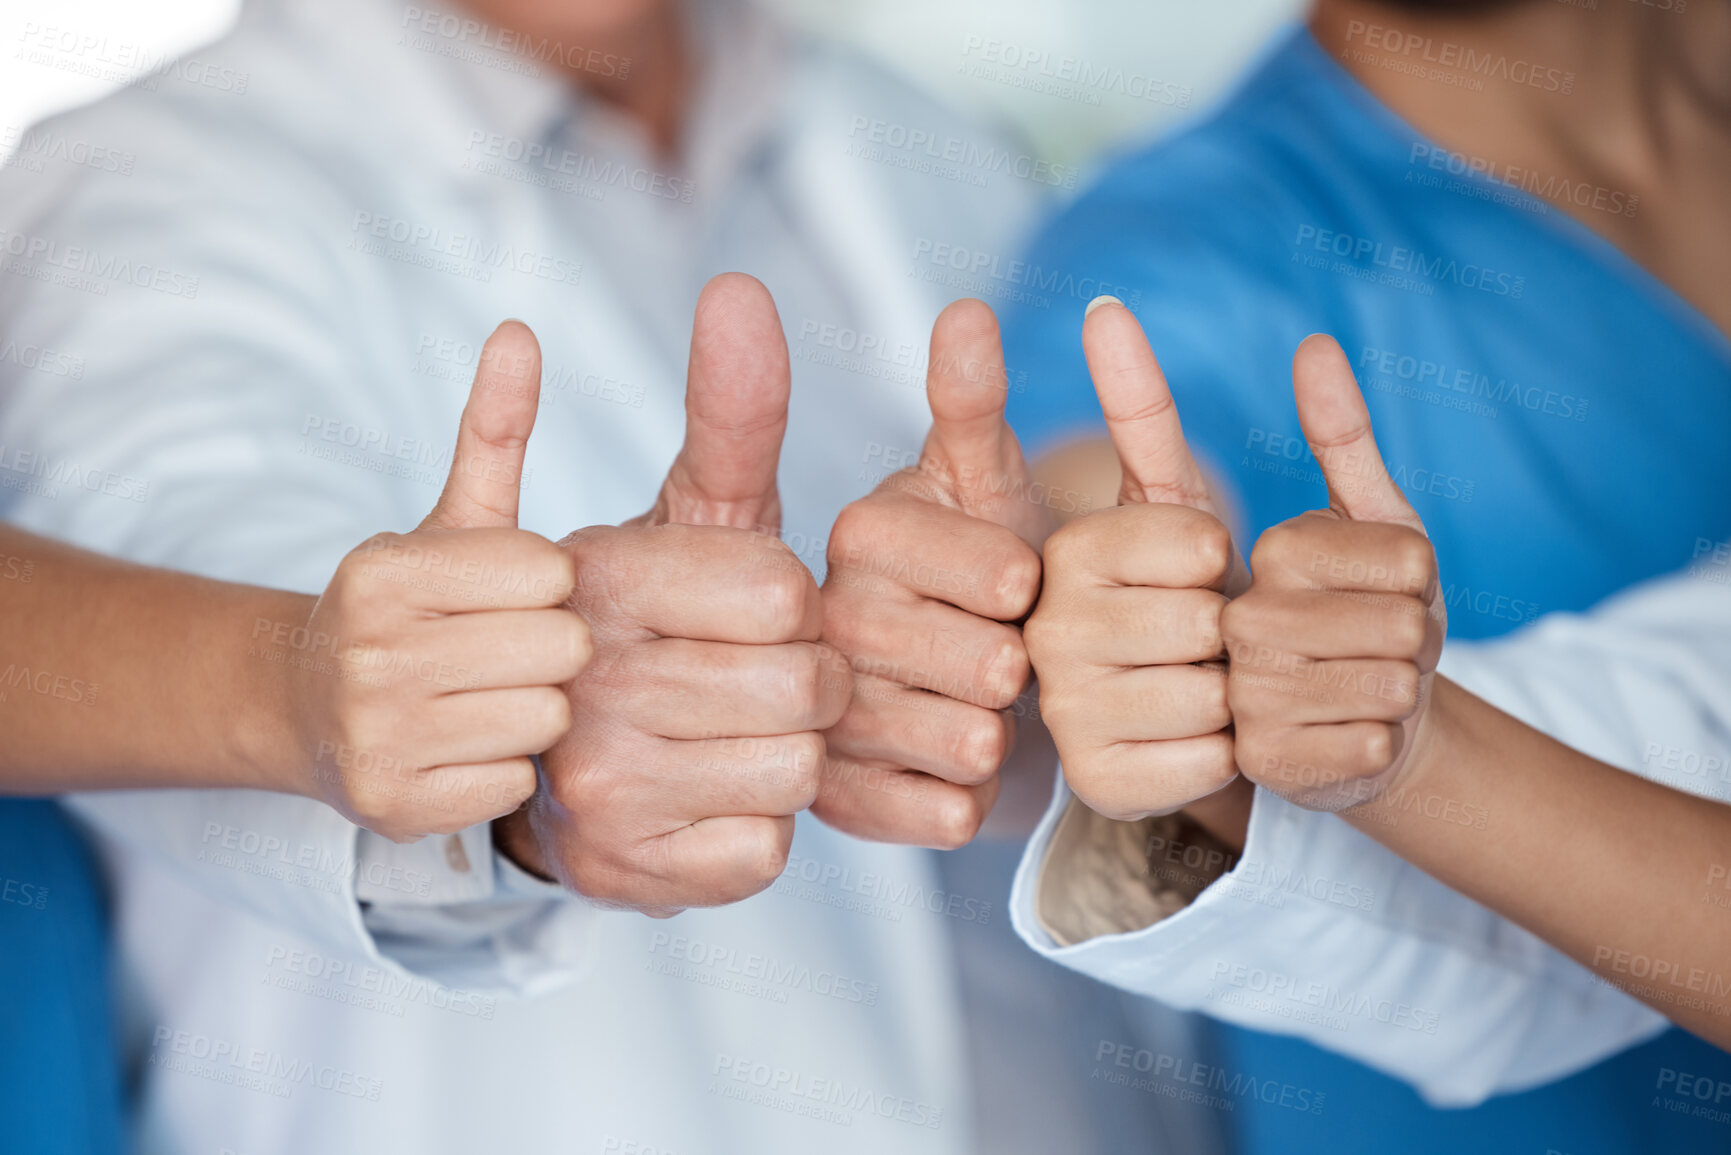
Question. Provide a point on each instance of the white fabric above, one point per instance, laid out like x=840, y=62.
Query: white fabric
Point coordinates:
x=1321, y=933
x=241, y=325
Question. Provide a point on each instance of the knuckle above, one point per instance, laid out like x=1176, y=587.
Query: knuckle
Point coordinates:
x=1276, y=548
x=783, y=594
x=802, y=686
x=1241, y=619
x=857, y=523
x=1415, y=559
x=1001, y=669
x=1207, y=623
x=1211, y=546
x=1070, y=549
x=1014, y=578
x=806, y=761
x=1403, y=687
x=1213, y=705
x=956, y=817
x=1374, y=748
x=572, y=642
x=549, y=713
x=980, y=747
x=1043, y=633
x=1408, y=627
x=765, y=845
x=556, y=568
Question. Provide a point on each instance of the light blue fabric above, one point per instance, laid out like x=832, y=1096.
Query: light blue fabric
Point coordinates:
x=1557, y=416
x=59, y=1065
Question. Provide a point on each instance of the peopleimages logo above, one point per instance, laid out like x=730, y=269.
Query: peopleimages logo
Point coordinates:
x=1452, y=56
x=1399, y=259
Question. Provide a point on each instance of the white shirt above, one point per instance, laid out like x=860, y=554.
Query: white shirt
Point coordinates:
x=268, y=327
x=1320, y=932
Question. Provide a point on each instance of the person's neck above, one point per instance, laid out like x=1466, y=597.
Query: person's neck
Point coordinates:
x=1650, y=87
x=655, y=85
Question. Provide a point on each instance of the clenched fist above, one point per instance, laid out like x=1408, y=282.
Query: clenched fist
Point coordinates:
x=1334, y=646
x=696, y=733
x=928, y=578
x=1126, y=639
x=433, y=665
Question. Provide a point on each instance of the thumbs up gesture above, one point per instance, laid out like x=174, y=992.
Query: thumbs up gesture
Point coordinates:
x=1127, y=636
x=928, y=577
x=1335, y=645
x=432, y=665
x=695, y=734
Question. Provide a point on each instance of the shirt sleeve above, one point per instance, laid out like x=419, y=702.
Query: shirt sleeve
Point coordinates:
x=1318, y=931
x=208, y=351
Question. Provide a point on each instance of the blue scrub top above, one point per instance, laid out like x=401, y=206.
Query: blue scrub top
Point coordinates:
x=1560, y=420
x=59, y=1060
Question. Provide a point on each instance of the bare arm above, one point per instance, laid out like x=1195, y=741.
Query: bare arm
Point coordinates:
x=121, y=675
x=409, y=696
x=1604, y=865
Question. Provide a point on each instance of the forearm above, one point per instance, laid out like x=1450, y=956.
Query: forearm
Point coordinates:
x=118, y=676
x=1606, y=866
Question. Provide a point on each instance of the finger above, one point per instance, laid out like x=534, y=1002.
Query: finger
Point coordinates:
x=1132, y=780
x=970, y=445
x=405, y=805
x=1336, y=423
x=707, y=582
x=1318, y=550
x=883, y=803
x=930, y=646
x=736, y=395
x=1143, y=544
x=488, y=725
x=920, y=730
x=1140, y=413
x=895, y=544
x=487, y=464
x=504, y=649
x=1339, y=690
x=716, y=861
x=477, y=792
x=464, y=571
x=1153, y=703
x=1326, y=623
x=1324, y=761
x=1142, y=626
x=681, y=688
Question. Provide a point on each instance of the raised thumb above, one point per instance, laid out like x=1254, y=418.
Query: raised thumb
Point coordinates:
x=487, y=464
x=736, y=394
x=1336, y=423
x=1141, y=415
x=970, y=449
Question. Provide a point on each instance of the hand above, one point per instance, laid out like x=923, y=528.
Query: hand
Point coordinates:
x=431, y=667
x=1126, y=638
x=1334, y=647
x=696, y=732
x=927, y=577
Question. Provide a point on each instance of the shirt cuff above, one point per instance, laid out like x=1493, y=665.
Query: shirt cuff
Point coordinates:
x=452, y=909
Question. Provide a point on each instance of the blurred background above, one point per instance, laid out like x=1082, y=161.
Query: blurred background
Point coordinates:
x=1164, y=60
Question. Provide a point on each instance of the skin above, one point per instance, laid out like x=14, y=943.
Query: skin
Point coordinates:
x=649, y=34
x=408, y=696
x=1602, y=864
x=929, y=577
x=1126, y=637
x=697, y=732
x=1650, y=116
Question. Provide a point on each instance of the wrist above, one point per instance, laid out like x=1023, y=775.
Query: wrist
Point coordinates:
x=263, y=718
